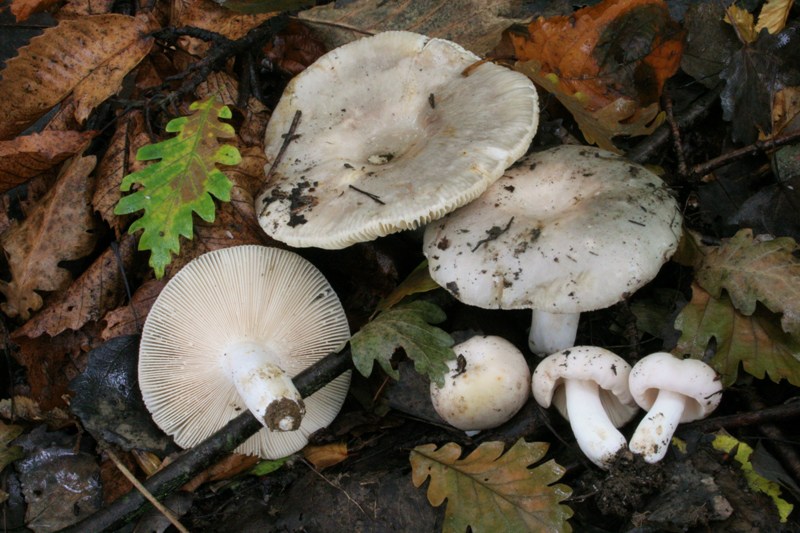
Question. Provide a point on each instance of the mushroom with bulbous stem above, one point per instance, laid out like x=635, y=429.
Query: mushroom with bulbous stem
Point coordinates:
x=673, y=391
x=589, y=387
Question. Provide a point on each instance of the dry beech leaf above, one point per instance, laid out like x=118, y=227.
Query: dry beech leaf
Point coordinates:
x=610, y=60
x=88, y=56
x=756, y=341
x=23, y=9
x=59, y=228
x=773, y=15
x=25, y=157
x=84, y=8
x=326, y=455
x=118, y=161
x=474, y=24
x=100, y=288
x=129, y=319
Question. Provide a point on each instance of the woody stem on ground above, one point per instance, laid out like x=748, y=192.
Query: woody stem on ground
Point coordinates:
x=196, y=459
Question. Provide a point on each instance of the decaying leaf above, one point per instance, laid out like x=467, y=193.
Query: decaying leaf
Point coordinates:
x=9, y=454
x=22, y=9
x=60, y=228
x=606, y=63
x=182, y=182
x=490, y=492
x=88, y=56
x=408, y=327
x=28, y=156
x=474, y=24
x=325, y=455
x=709, y=324
x=418, y=281
x=756, y=270
x=742, y=453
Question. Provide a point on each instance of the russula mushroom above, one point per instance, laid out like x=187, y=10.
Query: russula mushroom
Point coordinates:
x=672, y=391
x=227, y=333
x=589, y=387
x=392, y=134
x=565, y=230
x=485, y=386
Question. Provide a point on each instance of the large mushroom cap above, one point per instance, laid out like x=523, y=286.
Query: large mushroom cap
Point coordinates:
x=566, y=230
x=244, y=294
x=391, y=136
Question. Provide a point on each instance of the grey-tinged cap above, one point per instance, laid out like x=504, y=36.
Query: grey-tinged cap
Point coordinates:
x=245, y=302
x=392, y=135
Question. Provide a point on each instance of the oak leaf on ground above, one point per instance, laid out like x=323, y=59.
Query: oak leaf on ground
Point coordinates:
x=60, y=228
x=489, y=491
x=25, y=157
x=88, y=57
x=755, y=341
x=607, y=63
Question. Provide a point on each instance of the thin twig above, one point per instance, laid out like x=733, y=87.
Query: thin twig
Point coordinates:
x=369, y=195
x=492, y=234
x=288, y=137
x=335, y=486
x=677, y=145
x=146, y=493
x=759, y=146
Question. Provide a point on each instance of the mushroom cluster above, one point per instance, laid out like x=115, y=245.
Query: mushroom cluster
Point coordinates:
x=565, y=230
x=228, y=333
x=410, y=139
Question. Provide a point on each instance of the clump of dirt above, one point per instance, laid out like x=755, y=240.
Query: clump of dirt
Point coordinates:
x=628, y=485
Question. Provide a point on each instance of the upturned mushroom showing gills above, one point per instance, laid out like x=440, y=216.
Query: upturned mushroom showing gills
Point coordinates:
x=391, y=135
x=589, y=387
x=565, y=230
x=672, y=391
x=228, y=333
x=486, y=385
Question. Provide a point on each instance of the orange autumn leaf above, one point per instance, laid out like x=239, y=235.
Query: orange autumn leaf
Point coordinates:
x=614, y=55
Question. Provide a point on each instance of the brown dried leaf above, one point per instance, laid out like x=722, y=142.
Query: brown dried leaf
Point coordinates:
x=22, y=9
x=474, y=24
x=25, y=157
x=89, y=56
x=100, y=288
x=326, y=455
x=24, y=408
x=118, y=161
x=60, y=228
x=773, y=15
x=129, y=319
x=209, y=15
x=229, y=466
x=84, y=8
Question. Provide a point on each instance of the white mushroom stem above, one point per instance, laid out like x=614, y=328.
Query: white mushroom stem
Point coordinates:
x=263, y=386
x=552, y=332
x=654, y=433
x=597, y=437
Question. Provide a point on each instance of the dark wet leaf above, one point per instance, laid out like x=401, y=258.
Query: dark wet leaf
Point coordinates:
x=108, y=401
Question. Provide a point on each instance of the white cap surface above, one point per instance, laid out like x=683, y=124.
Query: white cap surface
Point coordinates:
x=252, y=294
x=565, y=230
x=486, y=384
x=391, y=136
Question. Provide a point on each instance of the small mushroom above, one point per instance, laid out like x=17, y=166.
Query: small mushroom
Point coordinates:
x=392, y=134
x=565, y=230
x=672, y=391
x=589, y=387
x=228, y=333
x=485, y=386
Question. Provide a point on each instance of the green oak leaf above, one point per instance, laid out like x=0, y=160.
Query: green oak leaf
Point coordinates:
x=182, y=182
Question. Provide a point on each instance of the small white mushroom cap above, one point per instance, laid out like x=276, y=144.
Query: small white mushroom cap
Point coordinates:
x=565, y=230
x=391, y=136
x=672, y=391
x=270, y=310
x=589, y=387
x=485, y=386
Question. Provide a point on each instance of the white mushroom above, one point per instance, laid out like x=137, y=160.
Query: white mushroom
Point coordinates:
x=566, y=230
x=589, y=387
x=392, y=135
x=228, y=333
x=485, y=386
x=672, y=391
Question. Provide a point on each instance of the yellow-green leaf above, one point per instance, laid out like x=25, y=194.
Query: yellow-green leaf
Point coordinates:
x=489, y=492
x=182, y=182
x=755, y=341
x=418, y=281
x=754, y=270
x=9, y=454
x=408, y=327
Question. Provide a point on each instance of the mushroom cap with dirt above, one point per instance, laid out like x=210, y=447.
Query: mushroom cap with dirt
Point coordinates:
x=485, y=386
x=565, y=230
x=228, y=333
x=672, y=391
x=589, y=387
x=391, y=135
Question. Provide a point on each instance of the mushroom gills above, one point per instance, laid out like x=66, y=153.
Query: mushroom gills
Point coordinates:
x=266, y=389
